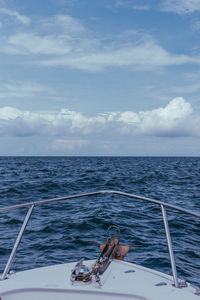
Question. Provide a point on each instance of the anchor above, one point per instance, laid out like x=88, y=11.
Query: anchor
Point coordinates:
x=110, y=250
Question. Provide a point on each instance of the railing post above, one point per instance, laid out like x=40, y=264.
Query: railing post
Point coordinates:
x=12, y=255
x=171, y=253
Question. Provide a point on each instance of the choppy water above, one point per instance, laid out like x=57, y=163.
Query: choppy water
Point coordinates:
x=62, y=232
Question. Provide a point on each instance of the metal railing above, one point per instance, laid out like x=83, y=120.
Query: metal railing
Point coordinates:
x=163, y=206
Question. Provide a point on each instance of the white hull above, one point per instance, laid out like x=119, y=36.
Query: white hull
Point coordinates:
x=121, y=280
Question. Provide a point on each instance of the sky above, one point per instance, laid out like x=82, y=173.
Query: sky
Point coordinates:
x=100, y=77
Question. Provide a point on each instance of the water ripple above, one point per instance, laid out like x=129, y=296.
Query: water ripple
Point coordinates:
x=64, y=231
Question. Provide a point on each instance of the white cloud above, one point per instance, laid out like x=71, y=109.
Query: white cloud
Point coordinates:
x=21, y=89
x=170, y=120
x=68, y=23
x=131, y=5
x=145, y=54
x=55, y=36
x=30, y=43
x=176, y=119
x=52, y=44
x=181, y=6
x=63, y=41
x=140, y=7
x=20, y=18
x=9, y=113
x=186, y=89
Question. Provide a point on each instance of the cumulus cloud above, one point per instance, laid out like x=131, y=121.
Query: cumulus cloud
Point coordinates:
x=175, y=119
x=181, y=6
x=20, y=18
x=9, y=113
x=169, y=121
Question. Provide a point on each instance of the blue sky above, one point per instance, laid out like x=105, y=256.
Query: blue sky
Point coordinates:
x=109, y=77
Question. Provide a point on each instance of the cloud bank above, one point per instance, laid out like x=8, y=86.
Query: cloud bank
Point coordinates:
x=174, y=120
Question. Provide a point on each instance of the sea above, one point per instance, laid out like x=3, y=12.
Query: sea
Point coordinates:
x=69, y=230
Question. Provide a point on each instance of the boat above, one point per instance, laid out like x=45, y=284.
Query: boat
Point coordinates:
x=107, y=277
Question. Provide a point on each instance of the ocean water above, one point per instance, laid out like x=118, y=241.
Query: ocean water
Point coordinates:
x=65, y=231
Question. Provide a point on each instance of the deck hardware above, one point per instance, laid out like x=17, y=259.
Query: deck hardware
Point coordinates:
x=161, y=284
x=80, y=273
x=129, y=271
x=11, y=272
x=108, y=252
x=181, y=284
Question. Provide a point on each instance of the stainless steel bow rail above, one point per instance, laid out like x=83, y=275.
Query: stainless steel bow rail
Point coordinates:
x=163, y=206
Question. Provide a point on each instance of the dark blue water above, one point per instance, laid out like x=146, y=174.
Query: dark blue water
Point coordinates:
x=62, y=232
